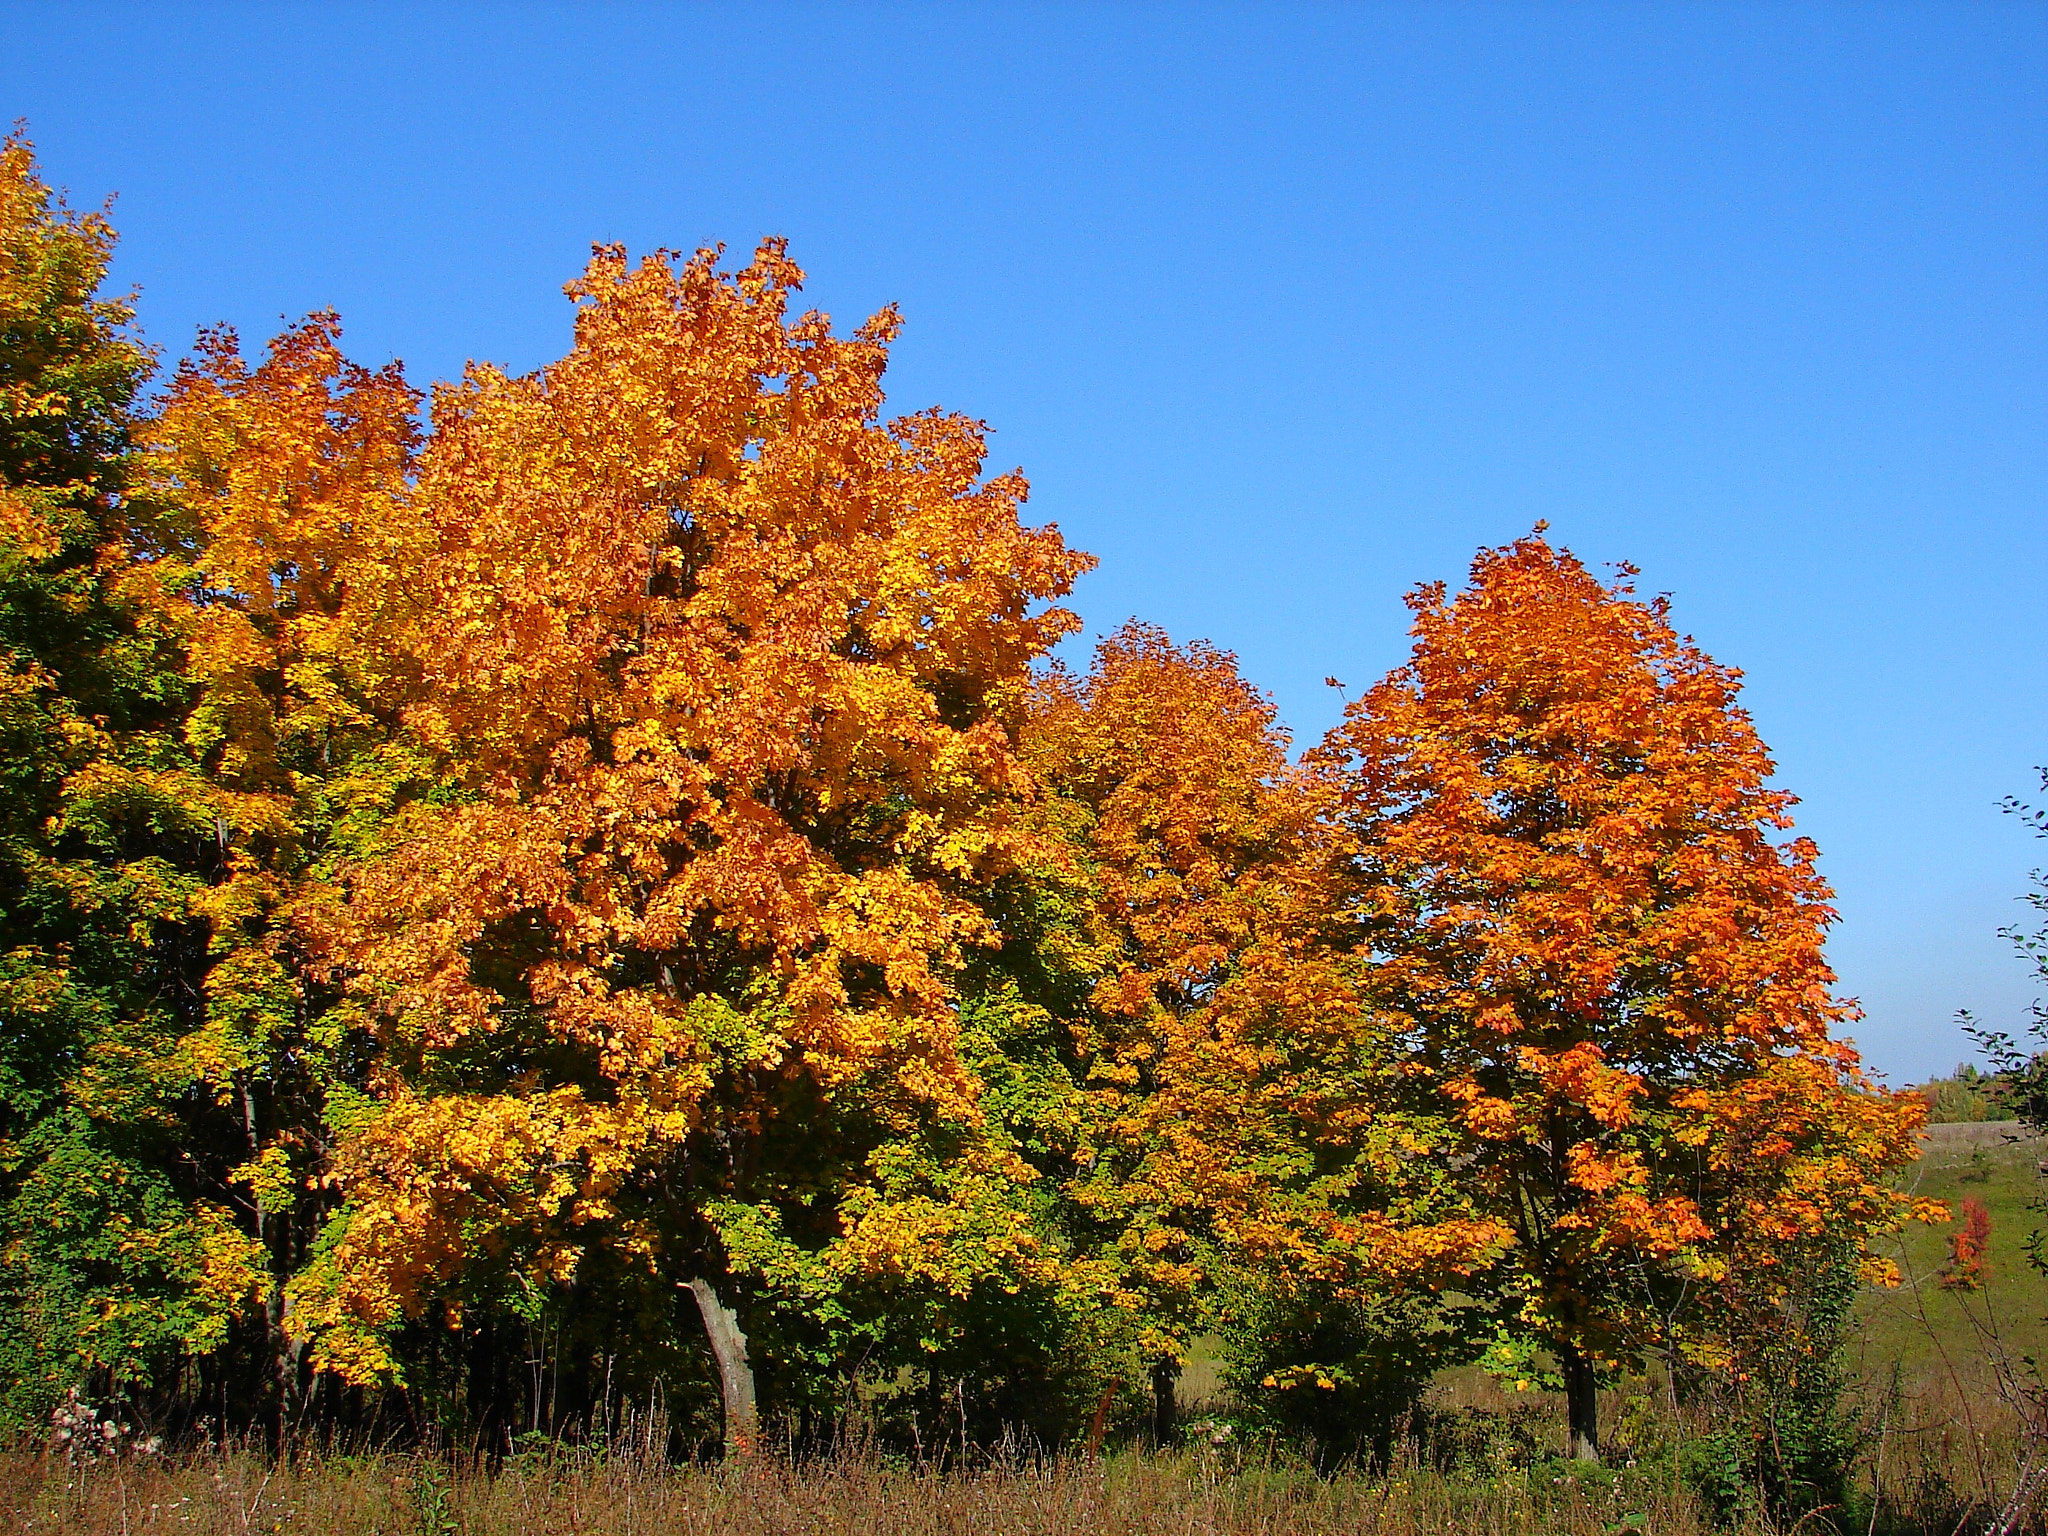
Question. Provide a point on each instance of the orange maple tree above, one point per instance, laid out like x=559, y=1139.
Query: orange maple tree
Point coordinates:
x=263, y=515
x=1167, y=777
x=1247, y=1110
x=724, y=669
x=1569, y=877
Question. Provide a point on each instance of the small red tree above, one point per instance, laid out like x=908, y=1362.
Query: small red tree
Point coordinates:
x=1967, y=1248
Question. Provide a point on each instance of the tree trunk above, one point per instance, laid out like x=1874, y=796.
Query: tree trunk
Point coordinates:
x=287, y=1357
x=1581, y=1405
x=274, y=1234
x=735, y=1375
x=1165, y=1407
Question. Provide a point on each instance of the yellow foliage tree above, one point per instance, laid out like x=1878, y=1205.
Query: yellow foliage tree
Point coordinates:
x=280, y=498
x=727, y=669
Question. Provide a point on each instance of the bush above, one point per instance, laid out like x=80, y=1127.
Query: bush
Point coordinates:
x=1341, y=1377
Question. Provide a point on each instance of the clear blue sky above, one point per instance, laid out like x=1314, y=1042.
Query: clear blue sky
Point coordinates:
x=1283, y=310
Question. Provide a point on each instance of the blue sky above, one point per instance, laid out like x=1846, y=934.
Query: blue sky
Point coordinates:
x=1283, y=310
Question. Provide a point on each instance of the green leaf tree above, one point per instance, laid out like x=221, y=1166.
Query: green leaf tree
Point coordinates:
x=119, y=1268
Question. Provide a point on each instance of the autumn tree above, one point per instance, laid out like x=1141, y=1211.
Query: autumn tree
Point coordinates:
x=1167, y=778
x=610, y=863
x=1968, y=1247
x=1256, y=1150
x=723, y=667
x=282, y=488
x=1569, y=878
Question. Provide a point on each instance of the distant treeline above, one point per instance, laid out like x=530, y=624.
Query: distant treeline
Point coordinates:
x=1965, y=1097
x=590, y=885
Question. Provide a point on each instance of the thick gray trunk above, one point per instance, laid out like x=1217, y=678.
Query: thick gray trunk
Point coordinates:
x=735, y=1375
x=287, y=1354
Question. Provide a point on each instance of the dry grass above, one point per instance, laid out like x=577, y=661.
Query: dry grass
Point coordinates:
x=1943, y=1461
x=857, y=1496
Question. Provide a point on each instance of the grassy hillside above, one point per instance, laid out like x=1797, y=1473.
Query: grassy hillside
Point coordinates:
x=1929, y=1330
